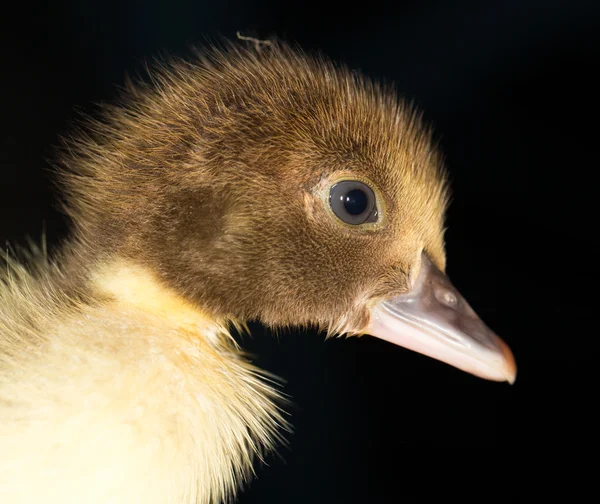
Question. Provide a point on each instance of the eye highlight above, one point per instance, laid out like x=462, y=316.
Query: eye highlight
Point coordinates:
x=353, y=202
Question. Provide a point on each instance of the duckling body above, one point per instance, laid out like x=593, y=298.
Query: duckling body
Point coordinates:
x=157, y=402
x=205, y=198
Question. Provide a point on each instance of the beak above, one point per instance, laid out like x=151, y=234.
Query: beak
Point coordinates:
x=435, y=320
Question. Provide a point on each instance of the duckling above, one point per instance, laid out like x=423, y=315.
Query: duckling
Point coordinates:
x=249, y=184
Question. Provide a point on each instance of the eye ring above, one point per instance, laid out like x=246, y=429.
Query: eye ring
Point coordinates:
x=353, y=202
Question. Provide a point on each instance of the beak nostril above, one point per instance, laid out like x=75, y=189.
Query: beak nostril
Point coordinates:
x=447, y=298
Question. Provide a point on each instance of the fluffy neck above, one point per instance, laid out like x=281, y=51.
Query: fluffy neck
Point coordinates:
x=130, y=285
x=142, y=398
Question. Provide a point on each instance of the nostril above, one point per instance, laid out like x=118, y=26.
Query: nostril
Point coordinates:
x=446, y=297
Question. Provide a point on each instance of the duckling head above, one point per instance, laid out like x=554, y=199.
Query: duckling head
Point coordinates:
x=272, y=185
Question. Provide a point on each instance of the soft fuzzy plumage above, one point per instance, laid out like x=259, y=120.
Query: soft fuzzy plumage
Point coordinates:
x=197, y=201
x=126, y=395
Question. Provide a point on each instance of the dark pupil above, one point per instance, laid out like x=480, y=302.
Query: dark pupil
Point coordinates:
x=355, y=202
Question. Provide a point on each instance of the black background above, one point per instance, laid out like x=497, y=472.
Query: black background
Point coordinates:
x=510, y=87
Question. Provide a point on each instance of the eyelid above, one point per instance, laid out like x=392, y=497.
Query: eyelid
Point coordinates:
x=322, y=189
x=342, y=188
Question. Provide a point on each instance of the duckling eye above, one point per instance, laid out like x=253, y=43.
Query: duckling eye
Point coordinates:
x=353, y=202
